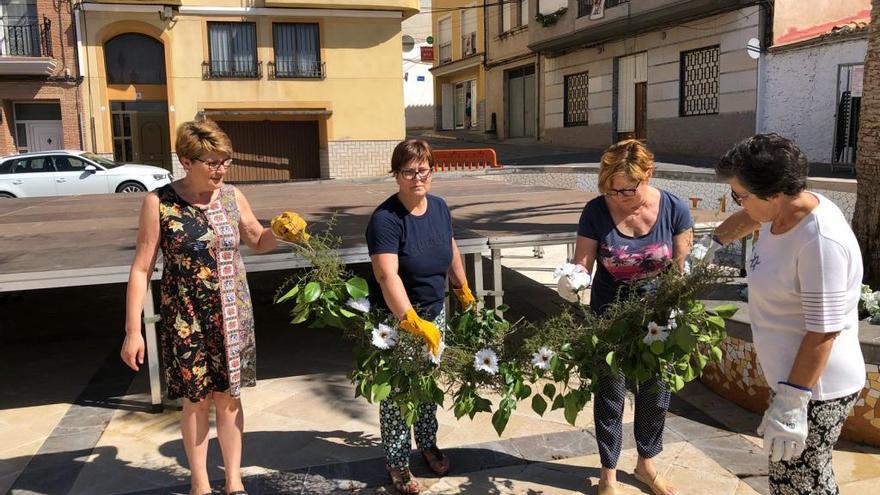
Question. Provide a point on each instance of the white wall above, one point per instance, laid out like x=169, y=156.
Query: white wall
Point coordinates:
x=800, y=94
x=418, y=95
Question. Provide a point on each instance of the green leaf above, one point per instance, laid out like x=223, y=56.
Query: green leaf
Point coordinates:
x=312, y=292
x=524, y=392
x=291, y=293
x=549, y=390
x=609, y=358
x=481, y=404
x=684, y=339
x=380, y=391
x=500, y=419
x=502, y=308
x=618, y=330
x=657, y=347
x=539, y=405
x=678, y=385
x=357, y=287
x=346, y=313
x=726, y=311
x=300, y=317
x=716, y=353
x=571, y=408
x=716, y=321
x=649, y=360
x=558, y=402
x=463, y=406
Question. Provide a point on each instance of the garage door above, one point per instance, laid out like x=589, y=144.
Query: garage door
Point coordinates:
x=267, y=151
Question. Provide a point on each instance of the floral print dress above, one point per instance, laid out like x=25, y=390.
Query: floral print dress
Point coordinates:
x=206, y=331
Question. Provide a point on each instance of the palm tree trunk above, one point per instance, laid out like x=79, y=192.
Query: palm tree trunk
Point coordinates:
x=866, y=217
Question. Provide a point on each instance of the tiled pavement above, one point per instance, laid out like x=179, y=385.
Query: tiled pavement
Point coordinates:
x=72, y=421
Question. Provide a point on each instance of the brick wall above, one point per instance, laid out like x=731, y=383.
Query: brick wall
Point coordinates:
x=351, y=159
x=57, y=87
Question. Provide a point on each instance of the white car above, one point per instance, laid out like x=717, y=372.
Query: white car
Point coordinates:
x=63, y=172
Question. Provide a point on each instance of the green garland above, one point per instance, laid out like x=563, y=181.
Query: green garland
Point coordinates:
x=659, y=329
x=550, y=19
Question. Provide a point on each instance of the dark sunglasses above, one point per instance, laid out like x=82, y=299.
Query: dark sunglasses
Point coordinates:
x=627, y=193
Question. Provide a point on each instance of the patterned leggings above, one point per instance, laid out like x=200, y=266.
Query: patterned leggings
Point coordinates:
x=396, y=434
x=812, y=473
x=650, y=418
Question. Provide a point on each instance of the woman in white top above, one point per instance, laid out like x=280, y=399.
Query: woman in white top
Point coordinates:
x=804, y=280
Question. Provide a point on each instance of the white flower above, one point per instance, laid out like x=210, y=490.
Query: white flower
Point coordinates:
x=361, y=304
x=672, y=324
x=699, y=251
x=655, y=333
x=384, y=337
x=580, y=280
x=541, y=359
x=431, y=357
x=565, y=270
x=486, y=360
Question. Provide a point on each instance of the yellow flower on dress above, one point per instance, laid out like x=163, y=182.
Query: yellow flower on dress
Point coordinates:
x=291, y=227
x=204, y=273
x=199, y=371
x=183, y=328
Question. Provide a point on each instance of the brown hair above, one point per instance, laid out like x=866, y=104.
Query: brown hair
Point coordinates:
x=197, y=137
x=411, y=150
x=630, y=158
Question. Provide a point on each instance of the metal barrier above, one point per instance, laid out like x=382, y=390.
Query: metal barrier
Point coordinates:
x=465, y=159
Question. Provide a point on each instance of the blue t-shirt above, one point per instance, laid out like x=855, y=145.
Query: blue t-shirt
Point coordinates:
x=622, y=259
x=423, y=245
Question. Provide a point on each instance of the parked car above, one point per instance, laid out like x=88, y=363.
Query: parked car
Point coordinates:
x=63, y=172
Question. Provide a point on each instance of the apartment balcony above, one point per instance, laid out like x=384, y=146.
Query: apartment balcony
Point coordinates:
x=26, y=47
x=619, y=18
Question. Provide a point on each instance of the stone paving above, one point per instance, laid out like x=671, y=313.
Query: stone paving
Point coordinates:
x=73, y=422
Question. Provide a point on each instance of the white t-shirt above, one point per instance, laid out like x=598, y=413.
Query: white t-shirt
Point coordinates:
x=808, y=279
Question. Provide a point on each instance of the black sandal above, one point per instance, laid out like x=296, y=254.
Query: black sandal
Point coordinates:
x=436, y=460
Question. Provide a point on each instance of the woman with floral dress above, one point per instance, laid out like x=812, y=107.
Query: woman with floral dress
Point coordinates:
x=206, y=331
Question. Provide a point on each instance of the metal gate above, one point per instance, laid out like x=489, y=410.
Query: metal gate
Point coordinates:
x=272, y=151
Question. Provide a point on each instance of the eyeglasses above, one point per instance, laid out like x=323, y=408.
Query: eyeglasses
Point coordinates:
x=739, y=198
x=411, y=173
x=216, y=165
x=627, y=193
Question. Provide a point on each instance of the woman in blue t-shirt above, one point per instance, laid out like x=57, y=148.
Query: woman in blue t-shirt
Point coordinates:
x=633, y=232
x=413, y=251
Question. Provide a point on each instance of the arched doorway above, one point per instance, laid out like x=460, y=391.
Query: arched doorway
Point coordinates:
x=139, y=118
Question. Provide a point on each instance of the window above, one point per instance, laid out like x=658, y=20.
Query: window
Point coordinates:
x=297, y=50
x=445, y=41
x=37, y=111
x=698, y=91
x=576, y=105
x=523, y=13
x=69, y=163
x=134, y=59
x=506, y=16
x=514, y=13
x=19, y=28
x=32, y=165
x=468, y=32
x=232, y=50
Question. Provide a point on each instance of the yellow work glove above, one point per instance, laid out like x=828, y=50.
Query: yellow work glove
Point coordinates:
x=291, y=227
x=424, y=329
x=464, y=295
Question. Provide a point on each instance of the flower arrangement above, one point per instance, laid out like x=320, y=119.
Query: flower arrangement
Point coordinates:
x=869, y=305
x=658, y=329
x=551, y=18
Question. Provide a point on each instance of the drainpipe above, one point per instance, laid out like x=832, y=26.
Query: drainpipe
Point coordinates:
x=486, y=38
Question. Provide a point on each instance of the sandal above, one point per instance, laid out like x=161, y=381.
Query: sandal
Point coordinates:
x=436, y=460
x=402, y=480
x=659, y=485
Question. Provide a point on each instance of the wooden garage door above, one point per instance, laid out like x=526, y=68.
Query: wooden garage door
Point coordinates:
x=266, y=151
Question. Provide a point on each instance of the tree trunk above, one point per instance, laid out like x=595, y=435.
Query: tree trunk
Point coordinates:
x=866, y=217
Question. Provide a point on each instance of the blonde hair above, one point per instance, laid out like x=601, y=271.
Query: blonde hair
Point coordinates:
x=196, y=137
x=629, y=158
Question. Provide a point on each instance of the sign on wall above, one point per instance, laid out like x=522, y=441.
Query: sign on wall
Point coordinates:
x=427, y=53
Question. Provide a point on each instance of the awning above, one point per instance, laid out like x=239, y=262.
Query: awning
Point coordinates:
x=307, y=112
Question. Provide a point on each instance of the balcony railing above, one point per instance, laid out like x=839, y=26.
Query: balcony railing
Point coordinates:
x=296, y=69
x=586, y=6
x=33, y=39
x=232, y=69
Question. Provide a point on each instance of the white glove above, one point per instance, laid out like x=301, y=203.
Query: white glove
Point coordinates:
x=784, y=426
x=563, y=287
x=704, y=250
